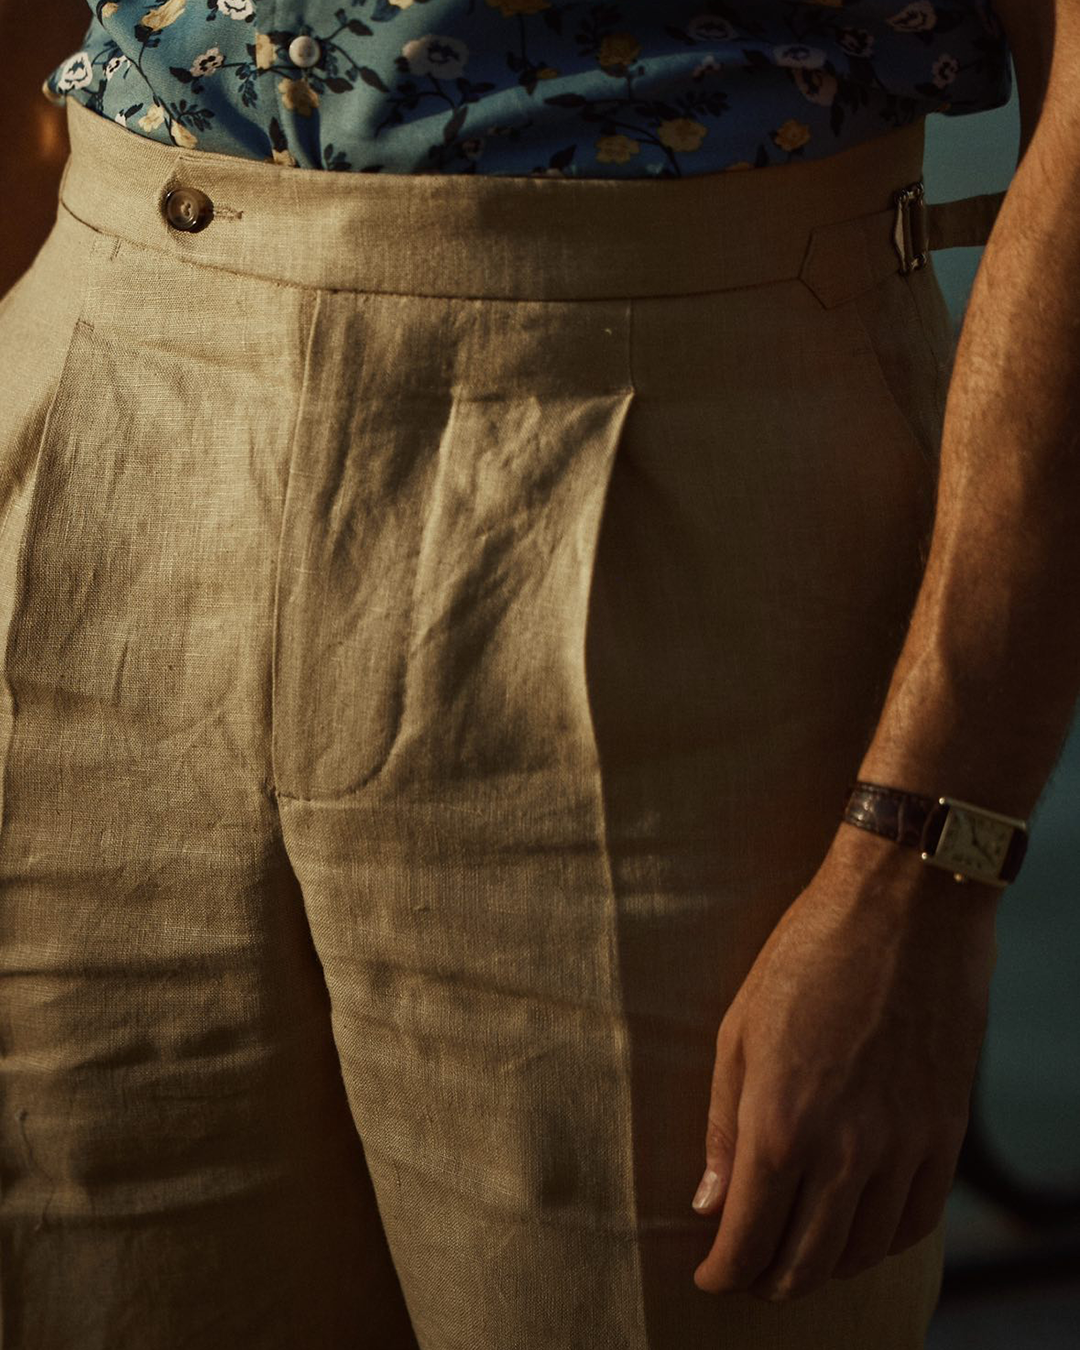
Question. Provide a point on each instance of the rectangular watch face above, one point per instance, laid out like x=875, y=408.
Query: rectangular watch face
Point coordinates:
x=973, y=844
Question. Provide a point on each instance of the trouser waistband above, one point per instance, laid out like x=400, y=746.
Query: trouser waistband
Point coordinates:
x=834, y=222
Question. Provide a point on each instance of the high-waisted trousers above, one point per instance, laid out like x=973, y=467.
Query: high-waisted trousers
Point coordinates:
x=440, y=619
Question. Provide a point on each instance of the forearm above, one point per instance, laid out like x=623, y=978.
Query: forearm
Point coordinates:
x=986, y=684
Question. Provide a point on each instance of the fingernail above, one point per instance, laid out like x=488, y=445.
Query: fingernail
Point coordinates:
x=707, y=1191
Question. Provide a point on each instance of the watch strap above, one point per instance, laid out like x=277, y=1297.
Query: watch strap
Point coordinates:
x=900, y=816
x=917, y=820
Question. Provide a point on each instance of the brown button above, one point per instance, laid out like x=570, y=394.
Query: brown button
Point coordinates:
x=186, y=208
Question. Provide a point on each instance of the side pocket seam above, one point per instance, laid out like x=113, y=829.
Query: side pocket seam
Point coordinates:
x=854, y=307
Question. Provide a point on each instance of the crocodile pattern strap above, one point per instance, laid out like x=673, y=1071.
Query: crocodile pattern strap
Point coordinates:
x=897, y=815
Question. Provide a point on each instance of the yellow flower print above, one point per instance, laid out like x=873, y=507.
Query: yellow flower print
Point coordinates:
x=508, y=8
x=616, y=149
x=283, y=157
x=107, y=11
x=164, y=14
x=619, y=49
x=681, y=133
x=918, y=17
x=182, y=136
x=152, y=118
x=298, y=96
x=265, y=51
x=791, y=135
x=547, y=73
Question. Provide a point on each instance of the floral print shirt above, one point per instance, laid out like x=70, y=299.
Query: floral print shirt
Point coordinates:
x=549, y=87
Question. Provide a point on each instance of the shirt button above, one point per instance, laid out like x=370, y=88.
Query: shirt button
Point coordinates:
x=186, y=208
x=304, y=51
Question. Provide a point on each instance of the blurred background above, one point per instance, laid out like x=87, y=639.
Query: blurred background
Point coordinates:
x=1012, y=1276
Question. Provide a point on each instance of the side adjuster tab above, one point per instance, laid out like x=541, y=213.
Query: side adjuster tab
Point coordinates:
x=910, y=231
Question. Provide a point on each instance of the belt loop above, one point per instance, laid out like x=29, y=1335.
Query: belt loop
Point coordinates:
x=911, y=236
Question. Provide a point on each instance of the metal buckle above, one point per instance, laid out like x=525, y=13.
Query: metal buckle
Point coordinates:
x=909, y=230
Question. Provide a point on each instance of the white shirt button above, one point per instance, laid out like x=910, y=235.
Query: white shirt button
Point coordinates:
x=304, y=51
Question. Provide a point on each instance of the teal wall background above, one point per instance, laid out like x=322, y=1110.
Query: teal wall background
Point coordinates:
x=966, y=156
x=1029, y=1089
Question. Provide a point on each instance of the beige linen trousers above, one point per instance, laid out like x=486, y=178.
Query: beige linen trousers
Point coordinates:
x=440, y=618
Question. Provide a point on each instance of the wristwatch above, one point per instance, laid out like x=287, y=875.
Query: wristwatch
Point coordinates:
x=969, y=841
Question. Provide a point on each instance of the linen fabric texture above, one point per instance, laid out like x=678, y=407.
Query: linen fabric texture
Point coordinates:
x=619, y=90
x=433, y=662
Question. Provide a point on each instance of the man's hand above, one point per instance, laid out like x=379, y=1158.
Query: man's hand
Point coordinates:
x=844, y=1070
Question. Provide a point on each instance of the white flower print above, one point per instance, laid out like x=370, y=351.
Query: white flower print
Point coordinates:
x=691, y=87
x=443, y=57
x=857, y=41
x=796, y=54
x=946, y=69
x=77, y=72
x=818, y=86
x=705, y=66
x=710, y=28
x=208, y=62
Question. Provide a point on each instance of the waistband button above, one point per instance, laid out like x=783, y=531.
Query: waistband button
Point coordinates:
x=186, y=208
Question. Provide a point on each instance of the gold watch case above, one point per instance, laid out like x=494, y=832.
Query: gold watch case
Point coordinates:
x=973, y=842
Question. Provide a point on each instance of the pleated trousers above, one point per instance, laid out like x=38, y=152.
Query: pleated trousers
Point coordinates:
x=440, y=617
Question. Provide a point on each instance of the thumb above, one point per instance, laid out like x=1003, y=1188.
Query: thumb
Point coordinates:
x=720, y=1133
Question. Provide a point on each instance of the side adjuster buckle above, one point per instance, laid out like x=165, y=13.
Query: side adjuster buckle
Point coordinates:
x=910, y=236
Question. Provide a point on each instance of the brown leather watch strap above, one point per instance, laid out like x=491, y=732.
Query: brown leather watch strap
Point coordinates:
x=919, y=821
x=900, y=816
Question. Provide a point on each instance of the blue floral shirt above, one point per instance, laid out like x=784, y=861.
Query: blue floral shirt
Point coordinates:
x=550, y=87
